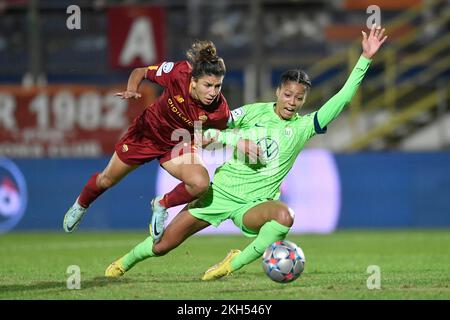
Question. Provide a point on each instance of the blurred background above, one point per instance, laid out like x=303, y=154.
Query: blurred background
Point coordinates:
x=384, y=163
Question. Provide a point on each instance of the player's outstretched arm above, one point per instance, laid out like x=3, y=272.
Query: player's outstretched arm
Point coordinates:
x=135, y=79
x=370, y=46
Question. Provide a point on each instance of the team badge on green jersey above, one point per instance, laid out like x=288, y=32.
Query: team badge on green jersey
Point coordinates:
x=269, y=148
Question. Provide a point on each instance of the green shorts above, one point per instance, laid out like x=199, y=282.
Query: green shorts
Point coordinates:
x=216, y=206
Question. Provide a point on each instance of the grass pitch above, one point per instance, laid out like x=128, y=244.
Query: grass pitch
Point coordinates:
x=413, y=265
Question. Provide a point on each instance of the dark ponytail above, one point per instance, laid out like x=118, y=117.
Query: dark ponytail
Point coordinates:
x=204, y=60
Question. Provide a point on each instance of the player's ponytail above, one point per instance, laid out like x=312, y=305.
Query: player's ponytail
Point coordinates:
x=204, y=59
x=296, y=75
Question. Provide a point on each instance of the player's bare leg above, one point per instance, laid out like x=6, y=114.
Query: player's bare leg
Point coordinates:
x=96, y=185
x=180, y=228
x=188, y=168
x=272, y=221
x=256, y=217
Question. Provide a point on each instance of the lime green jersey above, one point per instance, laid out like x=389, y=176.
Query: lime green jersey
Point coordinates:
x=280, y=140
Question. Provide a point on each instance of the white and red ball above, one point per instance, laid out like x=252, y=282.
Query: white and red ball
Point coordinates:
x=283, y=261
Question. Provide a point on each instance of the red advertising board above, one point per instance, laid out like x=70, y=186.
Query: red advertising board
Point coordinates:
x=65, y=120
x=135, y=36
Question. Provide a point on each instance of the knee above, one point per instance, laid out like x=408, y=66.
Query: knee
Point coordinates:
x=285, y=216
x=203, y=185
x=199, y=184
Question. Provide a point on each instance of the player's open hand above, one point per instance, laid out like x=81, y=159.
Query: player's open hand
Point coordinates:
x=128, y=95
x=373, y=42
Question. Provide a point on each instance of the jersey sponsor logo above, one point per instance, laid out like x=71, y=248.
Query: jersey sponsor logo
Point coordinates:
x=269, y=148
x=124, y=148
x=13, y=195
x=180, y=114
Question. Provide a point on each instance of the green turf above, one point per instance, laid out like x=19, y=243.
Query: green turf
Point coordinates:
x=413, y=264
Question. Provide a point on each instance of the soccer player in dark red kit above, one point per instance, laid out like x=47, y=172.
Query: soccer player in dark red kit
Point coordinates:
x=192, y=92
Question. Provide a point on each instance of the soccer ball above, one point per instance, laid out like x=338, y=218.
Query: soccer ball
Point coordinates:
x=283, y=261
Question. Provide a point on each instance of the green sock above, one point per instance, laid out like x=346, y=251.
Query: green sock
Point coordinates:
x=269, y=233
x=139, y=253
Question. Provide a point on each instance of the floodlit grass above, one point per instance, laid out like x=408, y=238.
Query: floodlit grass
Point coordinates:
x=414, y=264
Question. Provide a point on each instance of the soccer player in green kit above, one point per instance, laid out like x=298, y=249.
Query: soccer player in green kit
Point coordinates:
x=247, y=190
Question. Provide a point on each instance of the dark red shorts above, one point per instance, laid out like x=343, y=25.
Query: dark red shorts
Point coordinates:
x=135, y=149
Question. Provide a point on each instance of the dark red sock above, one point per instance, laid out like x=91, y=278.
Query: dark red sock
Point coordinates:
x=179, y=195
x=90, y=192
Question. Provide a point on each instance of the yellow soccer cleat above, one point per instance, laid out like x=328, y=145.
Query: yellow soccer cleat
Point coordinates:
x=221, y=269
x=115, y=269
